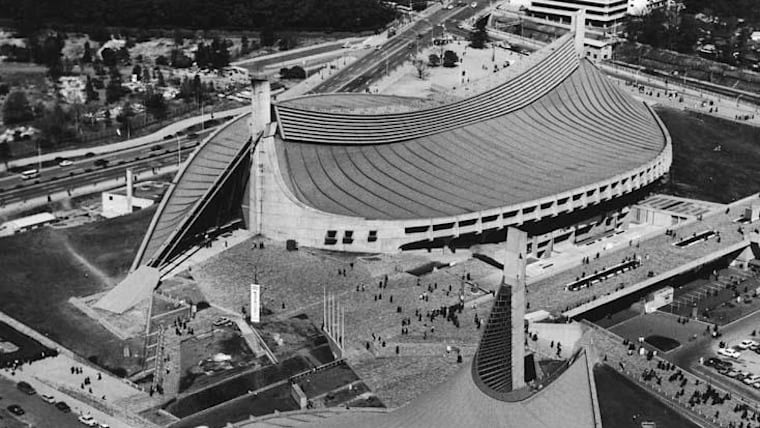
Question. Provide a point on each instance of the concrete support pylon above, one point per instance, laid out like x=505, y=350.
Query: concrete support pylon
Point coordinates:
x=579, y=28
x=514, y=277
x=261, y=116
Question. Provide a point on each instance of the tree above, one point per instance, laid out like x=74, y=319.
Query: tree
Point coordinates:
x=124, y=117
x=180, y=60
x=434, y=60
x=450, y=59
x=288, y=42
x=160, y=79
x=49, y=53
x=421, y=66
x=219, y=53
x=90, y=93
x=5, y=153
x=17, y=109
x=137, y=71
x=87, y=55
x=295, y=72
x=687, y=34
x=479, y=36
x=54, y=128
x=114, y=90
x=154, y=103
x=109, y=57
x=267, y=36
x=146, y=75
x=162, y=60
x=245, y=45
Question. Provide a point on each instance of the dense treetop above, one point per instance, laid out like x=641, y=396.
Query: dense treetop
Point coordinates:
x=200, y=14
x=746, y=9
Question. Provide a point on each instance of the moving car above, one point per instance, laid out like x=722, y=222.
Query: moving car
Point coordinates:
x=65, y=162
x=16, y=409
x=48, y=398
x=30, y=174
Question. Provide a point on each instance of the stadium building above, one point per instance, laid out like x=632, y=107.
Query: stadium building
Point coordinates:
x=559, y=150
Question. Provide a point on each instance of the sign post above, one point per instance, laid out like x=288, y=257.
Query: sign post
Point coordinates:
x=255, y=303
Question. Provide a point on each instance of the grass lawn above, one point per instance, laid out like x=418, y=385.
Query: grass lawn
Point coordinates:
x=701, y=173
x=40, y=274
x=624, y=404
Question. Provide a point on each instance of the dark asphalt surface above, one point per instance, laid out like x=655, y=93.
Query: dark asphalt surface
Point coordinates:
x=38, y=412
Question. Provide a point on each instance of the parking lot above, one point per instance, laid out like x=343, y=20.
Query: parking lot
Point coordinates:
x=38, y=413
x=735, y=364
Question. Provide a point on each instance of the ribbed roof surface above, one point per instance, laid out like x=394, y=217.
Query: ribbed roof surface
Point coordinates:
x=202, y=170
x=337, y=128
x=579, y=130
x=566, y=402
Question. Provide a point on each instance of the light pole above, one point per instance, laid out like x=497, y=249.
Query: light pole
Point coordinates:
x=179, y=153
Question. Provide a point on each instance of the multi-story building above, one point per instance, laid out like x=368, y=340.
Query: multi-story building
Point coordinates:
x=606, y=14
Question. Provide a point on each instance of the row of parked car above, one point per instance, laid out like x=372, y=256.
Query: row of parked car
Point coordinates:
x=60, y=405
x=725, y=367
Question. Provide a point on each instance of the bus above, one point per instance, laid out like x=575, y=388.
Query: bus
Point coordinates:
x=30, y=174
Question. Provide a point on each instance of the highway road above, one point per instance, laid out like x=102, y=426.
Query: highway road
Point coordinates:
x=359, y=75
x=255, y=64
x=84, y=164
x=94, y=175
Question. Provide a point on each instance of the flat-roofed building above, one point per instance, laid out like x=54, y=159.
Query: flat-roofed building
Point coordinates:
x=606, y=14
x=25, y=224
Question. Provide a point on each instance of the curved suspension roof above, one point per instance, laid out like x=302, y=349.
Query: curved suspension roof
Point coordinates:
x=558, y=126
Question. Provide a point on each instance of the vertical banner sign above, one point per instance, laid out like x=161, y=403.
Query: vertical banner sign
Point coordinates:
x=255, y=302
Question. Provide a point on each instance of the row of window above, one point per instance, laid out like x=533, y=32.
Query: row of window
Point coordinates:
x=511, y=214
x=331, y=238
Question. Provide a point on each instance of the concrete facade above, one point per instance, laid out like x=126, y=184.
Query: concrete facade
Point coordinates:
x=288, y=218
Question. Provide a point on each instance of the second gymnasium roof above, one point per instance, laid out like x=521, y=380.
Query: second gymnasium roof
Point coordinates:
x=558, y=126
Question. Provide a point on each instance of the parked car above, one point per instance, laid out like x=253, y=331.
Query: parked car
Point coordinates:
x=26, y=388
x=747, y=343
x=749, y=380
x=16, y=409
x=88, y=420
x=62, y=406
x=48, y=398
x=730, y=353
